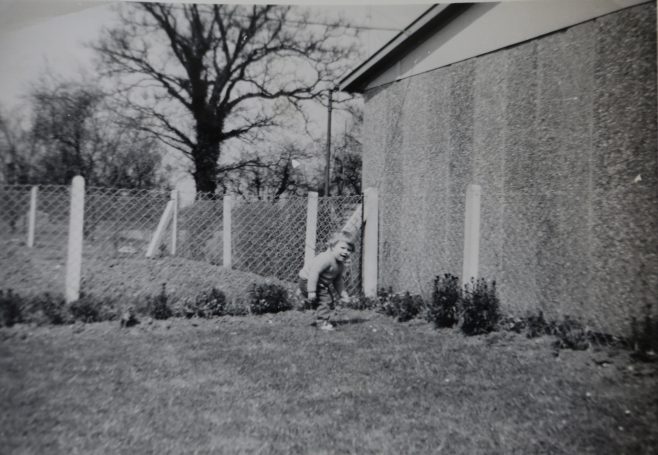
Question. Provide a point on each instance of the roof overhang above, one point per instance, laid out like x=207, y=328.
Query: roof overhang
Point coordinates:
x=420, y=29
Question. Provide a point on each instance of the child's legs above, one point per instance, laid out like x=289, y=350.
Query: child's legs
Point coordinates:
x=325, y=310
x=303, y=287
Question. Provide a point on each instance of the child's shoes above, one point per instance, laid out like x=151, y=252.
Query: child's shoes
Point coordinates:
x=326, y=326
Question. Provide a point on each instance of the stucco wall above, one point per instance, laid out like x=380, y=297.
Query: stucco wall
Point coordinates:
x=556, y=131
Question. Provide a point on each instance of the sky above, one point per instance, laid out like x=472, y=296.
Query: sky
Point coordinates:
x=38, y=35
x=35, y=35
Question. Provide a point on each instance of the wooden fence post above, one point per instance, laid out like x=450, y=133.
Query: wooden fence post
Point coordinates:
x=226, y=231
x=32, y=217
x=311, y=227
x=174, y=222
x=471, y=234
x=74, y=257
x=370, y=242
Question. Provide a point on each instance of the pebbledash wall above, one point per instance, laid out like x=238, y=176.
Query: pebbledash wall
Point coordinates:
x=560, y=132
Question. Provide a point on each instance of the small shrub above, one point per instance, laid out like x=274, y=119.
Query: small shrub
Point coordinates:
x=206, y=305
x=93, y=309
x=480, y=308
x=158, y=307
x=268, y=298
x=11, y=308
x=85, y=310
x=237, y=307
x=570, y=333
x=361, y=302
x=443, y=309
x=404, y=307
x=53, y=308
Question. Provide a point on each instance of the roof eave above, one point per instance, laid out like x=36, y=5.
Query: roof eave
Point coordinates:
x=426, y=24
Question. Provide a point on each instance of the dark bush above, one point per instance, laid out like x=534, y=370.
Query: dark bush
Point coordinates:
x=443, y=309
x=480, y=308
x=11, y=308
x=268, y=298
x=158, y=307
x=53, y=308
x=404, y=307
x=93, y=309
x=207, y=305
x=361, y=302
x=85, y=310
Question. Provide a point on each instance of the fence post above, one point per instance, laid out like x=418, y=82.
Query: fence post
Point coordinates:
x=370, y=242
x=174, y=222
x=471, y=234
x=74, y=257
x=32, y=216
x=311, y=227
x=157, y=238
x=226, y=231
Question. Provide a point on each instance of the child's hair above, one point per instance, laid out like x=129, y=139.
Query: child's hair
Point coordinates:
x=342, y=236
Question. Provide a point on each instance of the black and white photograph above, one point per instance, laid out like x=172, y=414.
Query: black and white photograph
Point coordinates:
x=349, y=227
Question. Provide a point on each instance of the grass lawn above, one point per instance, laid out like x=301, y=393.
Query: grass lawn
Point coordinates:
x=273, y=384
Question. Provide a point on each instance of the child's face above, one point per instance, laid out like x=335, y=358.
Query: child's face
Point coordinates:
x=341, y=251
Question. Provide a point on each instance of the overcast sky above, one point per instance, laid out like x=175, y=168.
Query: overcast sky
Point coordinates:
x=35, y=35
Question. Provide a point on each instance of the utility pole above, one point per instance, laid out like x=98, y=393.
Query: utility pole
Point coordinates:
x=328, y=164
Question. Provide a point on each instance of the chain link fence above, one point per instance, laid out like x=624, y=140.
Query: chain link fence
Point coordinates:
x=14, y=204
x=268, y=238
x=120, y=223
x=200, y=228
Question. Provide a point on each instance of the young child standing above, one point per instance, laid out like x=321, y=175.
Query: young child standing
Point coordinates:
x=325, y=271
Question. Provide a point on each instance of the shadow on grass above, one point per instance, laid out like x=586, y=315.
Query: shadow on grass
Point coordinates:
x=350, y=321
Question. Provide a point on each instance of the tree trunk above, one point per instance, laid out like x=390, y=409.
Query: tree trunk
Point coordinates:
x=206, y=155
x=205, y=171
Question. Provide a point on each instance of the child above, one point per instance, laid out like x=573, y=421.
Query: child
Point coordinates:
x=325, y=270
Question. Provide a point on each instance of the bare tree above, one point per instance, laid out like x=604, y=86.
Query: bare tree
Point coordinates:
x=16, y=149
x=72, y=131
x=268, y=177
x=208, y=74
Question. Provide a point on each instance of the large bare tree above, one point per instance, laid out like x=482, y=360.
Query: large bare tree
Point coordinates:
x=207, y=74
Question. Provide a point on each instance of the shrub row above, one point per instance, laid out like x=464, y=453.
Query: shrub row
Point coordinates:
x=474, y=308
x=53, y=309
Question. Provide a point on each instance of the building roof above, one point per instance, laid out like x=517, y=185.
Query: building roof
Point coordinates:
x=451, y=32
x=420, y=29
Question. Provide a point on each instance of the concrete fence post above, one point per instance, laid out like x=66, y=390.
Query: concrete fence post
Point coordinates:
x=32, y=216
x=74, y=256
x=471, y=234
x=370, y=242
x=158, y=237
x=226, y=232
x=174, y=222
x=311, y=227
